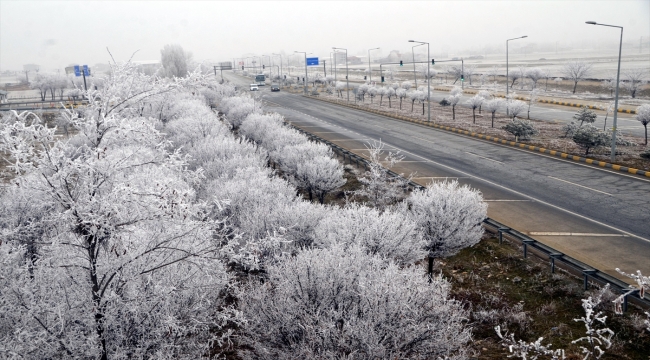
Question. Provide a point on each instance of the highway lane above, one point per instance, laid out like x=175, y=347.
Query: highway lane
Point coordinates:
x=607, y=212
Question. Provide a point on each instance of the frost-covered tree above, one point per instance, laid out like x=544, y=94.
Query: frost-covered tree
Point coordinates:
x=521, y=129
x=340, y=86
x=390, y=233
x=401, y=94
x=534, y=74
x=41, y=82
x=372, y=92
x=129, y=265
x=576, y=71
x=390, y=93
x=585, y=115
x=449, y=216
x=381, y=92
x=237, y=108
x=341, y=302
x=362, y=90
x=532, y=101
x=570, y=129
x=634, y=79
x=643, y=116
x=469, y=71
x=455, y=71
x=456, y=94
x=320, y=175
x=588, y=137
x=642, y=286
x=494, y=71
x=414, y=96
x=175, y=60
x=406, y=85
x=379, y=186
x=492, y=106
x=609, y=84
x=516, y=74
x=608, y=109
x=515, y=107
x=475, y=102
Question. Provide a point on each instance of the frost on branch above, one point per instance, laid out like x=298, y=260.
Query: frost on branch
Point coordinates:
x=449, y=215
x=380, y=187
x=597, y=334
x=643, y=285
x=339, y=303
x=525, y=350
x=391, y=233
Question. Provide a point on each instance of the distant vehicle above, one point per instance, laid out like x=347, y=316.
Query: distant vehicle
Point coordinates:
x=259, y=79
x=542, y=58
x=455, y=58
x=275, y=87
x=254, y=87
x=476, y=57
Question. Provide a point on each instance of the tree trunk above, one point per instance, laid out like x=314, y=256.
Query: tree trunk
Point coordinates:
x=575, y=85
x=381, y=99
x=311, y=197
x=430, y=268
x=605, y=125
x=493, y=119
x=646, y=133
x=423, y=108
x=513, y=83
x=389, y=102
x=453, y=110
x=474, y=114
x=400, y=103
x=412, y=105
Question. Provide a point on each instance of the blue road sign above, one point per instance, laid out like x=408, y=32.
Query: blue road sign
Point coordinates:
x=86, y=70
x=77, y=72
x=312, y=61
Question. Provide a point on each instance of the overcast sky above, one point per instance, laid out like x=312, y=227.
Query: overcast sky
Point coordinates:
x=55, y=34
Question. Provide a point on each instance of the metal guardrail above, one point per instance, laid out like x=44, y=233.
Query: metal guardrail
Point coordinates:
x=529, y=245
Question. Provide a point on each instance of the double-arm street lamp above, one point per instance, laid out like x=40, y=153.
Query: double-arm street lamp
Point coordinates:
x=507, y=73
x=304, y=52
x=369, y=66
x=428, y=76
x=347, y=80
x=618, y=73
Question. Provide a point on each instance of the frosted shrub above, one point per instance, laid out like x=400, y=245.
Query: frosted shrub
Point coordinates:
x=336, y=302
x=449, y=216
x=521, y=129
x=391, y=233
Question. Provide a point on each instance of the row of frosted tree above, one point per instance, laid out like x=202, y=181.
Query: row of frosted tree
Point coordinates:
x=159, y=229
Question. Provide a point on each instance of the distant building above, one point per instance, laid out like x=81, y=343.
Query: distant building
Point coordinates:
x=354, y=60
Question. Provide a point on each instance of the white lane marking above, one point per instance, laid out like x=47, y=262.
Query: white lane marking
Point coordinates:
x=551, y=233
x=520, y=193
x=585, y=187
x=526, y=196
x=439, y=177
x=486, y=200
x=423, y=139
x=483, y=157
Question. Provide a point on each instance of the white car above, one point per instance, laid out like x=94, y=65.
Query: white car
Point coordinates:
x=254, y=87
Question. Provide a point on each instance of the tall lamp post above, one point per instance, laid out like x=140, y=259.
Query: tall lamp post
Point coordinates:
x=618, y=73
x=334, y=63
x=369, y=67
x=507, y=73
x=347, y=80
x=428, y=76
x=304, y=52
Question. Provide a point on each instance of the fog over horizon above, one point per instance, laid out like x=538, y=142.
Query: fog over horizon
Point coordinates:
x=55, y=34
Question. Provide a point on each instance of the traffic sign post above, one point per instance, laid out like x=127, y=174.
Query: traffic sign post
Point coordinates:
x=312, y=61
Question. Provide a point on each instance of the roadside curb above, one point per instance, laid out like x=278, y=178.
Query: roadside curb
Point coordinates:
x=555, y=153
x=564, y=103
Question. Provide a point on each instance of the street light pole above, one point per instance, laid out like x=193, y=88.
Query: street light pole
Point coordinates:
x=507, y=73
x=347, y=80
x=618, y=73
x=369, y=66
x=304, y=52
x=428, y=76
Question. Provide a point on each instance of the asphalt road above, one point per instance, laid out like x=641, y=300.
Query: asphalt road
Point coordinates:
x=598, y=216
x=627, y=123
